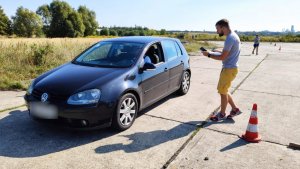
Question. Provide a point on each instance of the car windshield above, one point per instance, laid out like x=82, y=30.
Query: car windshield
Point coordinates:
x=111, y=54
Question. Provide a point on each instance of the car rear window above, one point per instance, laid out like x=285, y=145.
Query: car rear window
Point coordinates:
x=169, y=49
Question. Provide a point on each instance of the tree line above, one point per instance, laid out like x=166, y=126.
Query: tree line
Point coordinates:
x=130, y=31
x=58, y=19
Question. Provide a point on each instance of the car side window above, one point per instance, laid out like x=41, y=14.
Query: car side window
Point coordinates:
x=179, y=51
x=169, y=49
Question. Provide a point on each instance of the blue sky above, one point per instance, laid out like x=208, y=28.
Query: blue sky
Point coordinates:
x=244, y=15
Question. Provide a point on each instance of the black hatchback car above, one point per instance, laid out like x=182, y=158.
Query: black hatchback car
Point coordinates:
x=108, y=83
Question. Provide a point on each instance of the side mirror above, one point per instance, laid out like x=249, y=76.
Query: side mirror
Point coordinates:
x=149, y=66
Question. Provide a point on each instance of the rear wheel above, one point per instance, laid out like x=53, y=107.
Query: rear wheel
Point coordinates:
x=126, y=112
x=185, y=83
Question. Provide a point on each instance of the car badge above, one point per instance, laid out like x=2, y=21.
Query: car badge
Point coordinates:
x=44, y=97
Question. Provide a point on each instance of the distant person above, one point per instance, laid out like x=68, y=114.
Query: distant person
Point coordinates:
x=256, y=44
x=229, y=56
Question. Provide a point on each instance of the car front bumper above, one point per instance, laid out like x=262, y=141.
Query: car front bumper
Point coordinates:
x=78, y=116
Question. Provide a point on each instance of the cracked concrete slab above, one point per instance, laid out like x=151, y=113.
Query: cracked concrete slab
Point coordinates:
x=228, y=151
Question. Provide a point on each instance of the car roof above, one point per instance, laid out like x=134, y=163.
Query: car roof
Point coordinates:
x=138, y=39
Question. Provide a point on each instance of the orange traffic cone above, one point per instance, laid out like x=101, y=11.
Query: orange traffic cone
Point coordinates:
x=251, y=134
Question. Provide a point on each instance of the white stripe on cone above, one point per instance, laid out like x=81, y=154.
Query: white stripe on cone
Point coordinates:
x=254, y=113
x=252, y=128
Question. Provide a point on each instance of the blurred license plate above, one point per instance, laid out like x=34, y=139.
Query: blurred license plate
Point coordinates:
x=42, y=110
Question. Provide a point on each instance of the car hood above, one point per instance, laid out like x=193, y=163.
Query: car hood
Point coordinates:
x=72, y=78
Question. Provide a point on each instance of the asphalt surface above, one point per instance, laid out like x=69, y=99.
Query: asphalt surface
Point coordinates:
x=167, y=135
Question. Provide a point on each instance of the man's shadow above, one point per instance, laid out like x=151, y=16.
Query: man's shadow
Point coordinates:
x=20, y=136
x=144, y=140
x=207, y=123
x=238, y=143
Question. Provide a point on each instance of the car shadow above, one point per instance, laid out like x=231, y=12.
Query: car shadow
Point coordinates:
x=144, y=140
x=22, y=137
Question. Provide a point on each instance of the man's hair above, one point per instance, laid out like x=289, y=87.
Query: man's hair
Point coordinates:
x=223, y=23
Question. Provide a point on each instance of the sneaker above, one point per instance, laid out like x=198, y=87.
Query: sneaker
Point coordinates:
x=234, y=113
x=217, y=117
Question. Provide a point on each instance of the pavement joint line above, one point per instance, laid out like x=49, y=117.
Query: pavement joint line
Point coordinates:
x=202, y=124
x=181, y=148
x=223, y=132
x=269, y=93
x=238, y=86
x=170, y=120
x=228, y=133
x=1, y=111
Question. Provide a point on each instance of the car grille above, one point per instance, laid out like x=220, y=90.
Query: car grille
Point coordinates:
x=52, y=96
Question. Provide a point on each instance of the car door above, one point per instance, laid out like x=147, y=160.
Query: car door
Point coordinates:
x=155, y=83
x=173, y=55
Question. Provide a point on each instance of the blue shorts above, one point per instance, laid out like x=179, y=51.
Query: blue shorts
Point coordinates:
x=256, y=45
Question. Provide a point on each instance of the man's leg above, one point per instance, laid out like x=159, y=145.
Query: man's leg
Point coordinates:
x=224, y=102
x=256, y=50
x=253, y=50
x=231, y=102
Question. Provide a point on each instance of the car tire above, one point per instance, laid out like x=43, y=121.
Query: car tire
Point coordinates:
x=185, y=83
x=126, y=112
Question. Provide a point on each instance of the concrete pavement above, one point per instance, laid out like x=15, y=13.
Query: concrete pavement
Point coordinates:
x=167, y=135
x=10, y=99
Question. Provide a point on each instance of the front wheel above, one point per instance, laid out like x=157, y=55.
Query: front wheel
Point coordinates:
x=126, y=112
x=185, y=83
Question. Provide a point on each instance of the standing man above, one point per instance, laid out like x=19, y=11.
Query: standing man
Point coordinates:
x=229, y=56
x=256, y=44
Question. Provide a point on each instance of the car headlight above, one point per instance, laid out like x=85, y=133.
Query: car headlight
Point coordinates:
x=30, y=88
x=85, y=97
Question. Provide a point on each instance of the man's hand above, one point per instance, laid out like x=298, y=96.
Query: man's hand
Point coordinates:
x=205, y=53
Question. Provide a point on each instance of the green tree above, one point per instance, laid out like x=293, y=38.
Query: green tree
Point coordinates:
x=104, y=31
x=59, y=25
x=61, y=20
x=131, y=33
x=120, y=32
x=89, y=20
x=44, y=12
x=75, y=25
x=163, y=32
x=142, y=33
x=113, y=33
x=27, y=23
x=5, y=23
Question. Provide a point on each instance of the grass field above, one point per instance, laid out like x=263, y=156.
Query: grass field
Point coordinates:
x=23, y=59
